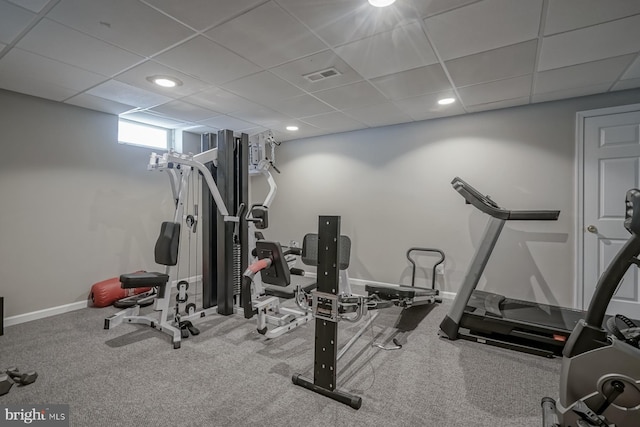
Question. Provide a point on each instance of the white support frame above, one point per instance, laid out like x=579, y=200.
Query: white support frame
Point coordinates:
x=169, y=159
x=167, y=321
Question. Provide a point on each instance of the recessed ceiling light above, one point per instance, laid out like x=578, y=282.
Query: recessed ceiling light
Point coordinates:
x=446, y=101
x=292, y=128
x=381, y=3
x=164, y=81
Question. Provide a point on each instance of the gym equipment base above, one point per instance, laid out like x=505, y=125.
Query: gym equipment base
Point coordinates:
x=341, y=396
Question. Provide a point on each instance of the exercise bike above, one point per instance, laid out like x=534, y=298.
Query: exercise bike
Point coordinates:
x=600, y=374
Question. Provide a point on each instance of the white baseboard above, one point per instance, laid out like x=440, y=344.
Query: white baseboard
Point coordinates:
x=47, y=312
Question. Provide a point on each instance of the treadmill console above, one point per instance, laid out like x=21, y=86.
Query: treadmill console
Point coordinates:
x=488, y=206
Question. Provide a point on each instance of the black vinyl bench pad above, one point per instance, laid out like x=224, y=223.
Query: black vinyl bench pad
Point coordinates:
x=143, y=279
x=399, y=292
x=287, y=292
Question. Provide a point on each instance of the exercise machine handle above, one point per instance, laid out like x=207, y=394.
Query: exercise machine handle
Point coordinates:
x=488, y=206
x=435, y=266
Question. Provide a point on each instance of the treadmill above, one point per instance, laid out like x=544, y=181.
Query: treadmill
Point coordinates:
x=490, y=318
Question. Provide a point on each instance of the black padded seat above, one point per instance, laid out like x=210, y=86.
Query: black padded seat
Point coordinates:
x=287, y=292
x=143, y=279
x=399, y=292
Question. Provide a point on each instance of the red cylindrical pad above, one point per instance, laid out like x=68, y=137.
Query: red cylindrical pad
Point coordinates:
x=108, y=291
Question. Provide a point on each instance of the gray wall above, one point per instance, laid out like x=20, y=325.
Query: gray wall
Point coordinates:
x=391, y=185
x=77, y=207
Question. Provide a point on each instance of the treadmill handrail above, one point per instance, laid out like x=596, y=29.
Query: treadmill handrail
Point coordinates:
x=488, y=206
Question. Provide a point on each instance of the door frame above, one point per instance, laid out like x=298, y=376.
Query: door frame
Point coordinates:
x=581, y=117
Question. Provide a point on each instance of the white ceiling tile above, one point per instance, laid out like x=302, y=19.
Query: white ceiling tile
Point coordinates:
x=627, y=84
x=590, y=44
x=184, y=111
x=497, y=105
x=13, y=20
x=429, y=115
x=423, y=106
x=400, y=49
x=137, y=76
x=260, y=115
x=39, y=88
x=354, y=95
x=200, y=129
x=26, y=72
x=497, y=64
x=570, y=93
x=414, y=82
x=301, y=106
x=129, y=24
x=304, y=132
x=379, y=115
x=153, y=119
x=228, y=122
x=53, y=40
x=263, y=88
x=33, y=5
x=562, y=14
x=99, y=104
x=254, y=130
x=334, y=122
x=434, y=7
x=217, y=99
x=485, y=25
x=634, y=70
x=267, y=36
x=588, y=74
x=303, y=128
x=339, y=22
x=295, y=71
x=202, y=14
x=127, y=94
x=516, y=87
x=207, y=61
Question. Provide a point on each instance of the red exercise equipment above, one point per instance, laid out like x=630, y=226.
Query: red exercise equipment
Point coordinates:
x=109, y=291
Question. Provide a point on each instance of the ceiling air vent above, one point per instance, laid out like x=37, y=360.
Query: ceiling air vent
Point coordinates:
x=321, y=75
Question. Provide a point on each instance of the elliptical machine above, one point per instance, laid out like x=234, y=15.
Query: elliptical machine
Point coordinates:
x=600, y=374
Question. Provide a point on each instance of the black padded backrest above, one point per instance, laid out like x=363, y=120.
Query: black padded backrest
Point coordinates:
x=166, y=251
x=310, y=250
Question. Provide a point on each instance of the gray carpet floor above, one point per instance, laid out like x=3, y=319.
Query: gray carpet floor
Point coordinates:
x=229, y=375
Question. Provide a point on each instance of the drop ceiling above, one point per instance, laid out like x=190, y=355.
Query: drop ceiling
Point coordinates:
x=325, y=66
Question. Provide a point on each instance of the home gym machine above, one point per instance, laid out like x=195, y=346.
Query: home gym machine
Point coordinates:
x=328, y=307
x=489, y=318
x=223, y=164
x=332, y=301
x=600, y=374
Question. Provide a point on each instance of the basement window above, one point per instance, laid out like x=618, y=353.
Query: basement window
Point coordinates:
x=143, y=135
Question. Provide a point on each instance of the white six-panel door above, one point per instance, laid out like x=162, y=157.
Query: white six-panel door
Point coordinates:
x=611, y=166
